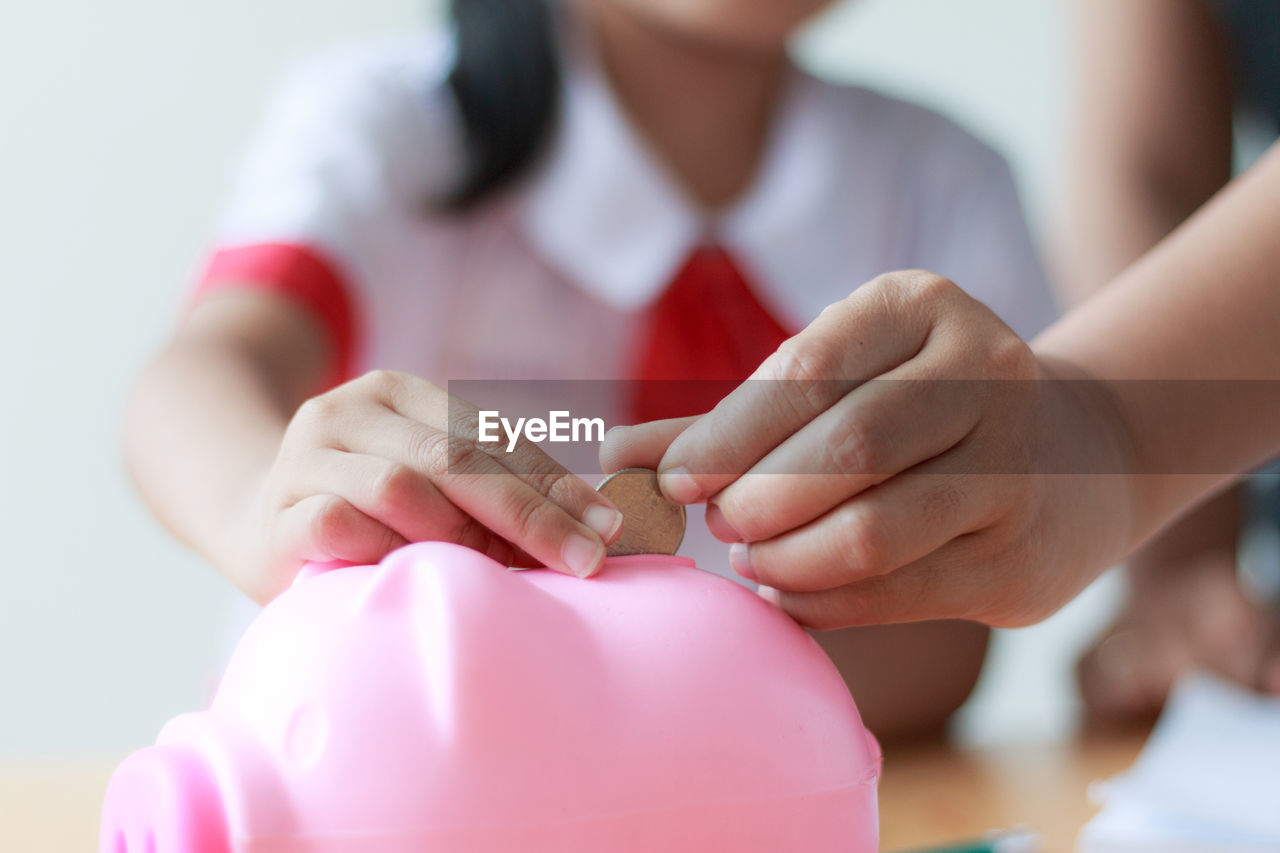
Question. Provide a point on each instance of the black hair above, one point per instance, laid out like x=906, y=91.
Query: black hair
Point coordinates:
x=506, y=81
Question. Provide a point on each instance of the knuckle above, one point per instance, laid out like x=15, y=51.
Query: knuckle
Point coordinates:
x=935, y=288
x=554, y=482
x=804, y=369
x=862, y=544
x=326, y=523
x=529, y=516
x=464, y=422
x=913, y=284
x=394, y=486
x=991, y=547
x=433, y=451
x=884, y=283
x=925, y=286
x=919, y=292
x=314, y=424
x=314, y=412
x=804, y=361
x=538, y=468
x=943, y=501
x=856, y=448
x=382, y=383
x=1011, y=358
x=443, y=453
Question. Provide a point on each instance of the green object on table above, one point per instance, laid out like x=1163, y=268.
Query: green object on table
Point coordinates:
x=1014, y=841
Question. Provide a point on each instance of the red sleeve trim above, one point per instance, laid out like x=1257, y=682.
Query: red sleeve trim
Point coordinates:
x=301, y=274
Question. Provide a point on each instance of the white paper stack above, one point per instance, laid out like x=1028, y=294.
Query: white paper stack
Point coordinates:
x=1208, y=779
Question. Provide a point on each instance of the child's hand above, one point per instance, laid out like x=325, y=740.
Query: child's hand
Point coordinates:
x=379, y=462
x=909, y=497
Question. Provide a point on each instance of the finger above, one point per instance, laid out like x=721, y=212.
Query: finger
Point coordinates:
x=395, y=494
x=640, y=446
x=881, y=428
x=327, y=527
x=941, y=586
x=543, y=473
x=883, y=529
x=869, y=333
x=429, y=405
x=481, y=487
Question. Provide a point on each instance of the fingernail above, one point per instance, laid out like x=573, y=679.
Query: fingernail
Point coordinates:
x=740, y=560
x=720, y=526
x=581, y=555
x=770, y=595
x=678, y=485
x=604, y=520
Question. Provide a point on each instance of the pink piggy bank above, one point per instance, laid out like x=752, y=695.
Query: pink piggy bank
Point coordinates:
x=441, y=702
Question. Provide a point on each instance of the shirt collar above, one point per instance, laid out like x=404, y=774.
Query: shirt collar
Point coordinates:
x=605, y=213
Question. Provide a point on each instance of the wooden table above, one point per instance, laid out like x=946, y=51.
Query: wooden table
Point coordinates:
x=931, y=795
x=52, y=805
x=928, y=795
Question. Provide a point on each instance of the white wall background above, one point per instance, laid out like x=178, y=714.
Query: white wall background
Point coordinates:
x=119, y=123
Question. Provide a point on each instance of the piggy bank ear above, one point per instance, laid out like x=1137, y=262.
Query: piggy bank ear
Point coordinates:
x=427, y=572
x=313, y=568
x=485, y=638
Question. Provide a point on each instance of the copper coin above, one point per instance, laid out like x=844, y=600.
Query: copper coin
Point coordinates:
x=651, y=524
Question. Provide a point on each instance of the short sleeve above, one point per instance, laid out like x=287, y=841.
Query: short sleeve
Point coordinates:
x=351, y=144
x=977, y=234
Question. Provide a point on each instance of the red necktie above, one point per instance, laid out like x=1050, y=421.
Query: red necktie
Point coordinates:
x=704, y=336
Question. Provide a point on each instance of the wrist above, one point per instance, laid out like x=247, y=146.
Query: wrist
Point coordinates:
x=1091, y=443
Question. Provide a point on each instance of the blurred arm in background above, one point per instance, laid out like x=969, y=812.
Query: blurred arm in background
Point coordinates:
x=1153, y=143
x=1152, y=132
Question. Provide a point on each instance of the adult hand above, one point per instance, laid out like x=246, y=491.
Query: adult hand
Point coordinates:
x=903, y=458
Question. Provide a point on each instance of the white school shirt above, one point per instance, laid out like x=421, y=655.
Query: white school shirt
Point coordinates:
x=550, y=279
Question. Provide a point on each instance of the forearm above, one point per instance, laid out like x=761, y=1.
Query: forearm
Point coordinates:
x=231, y=461
x=1119, y=210
x=1202, y=306
x=207, y=415
x=200, y=426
